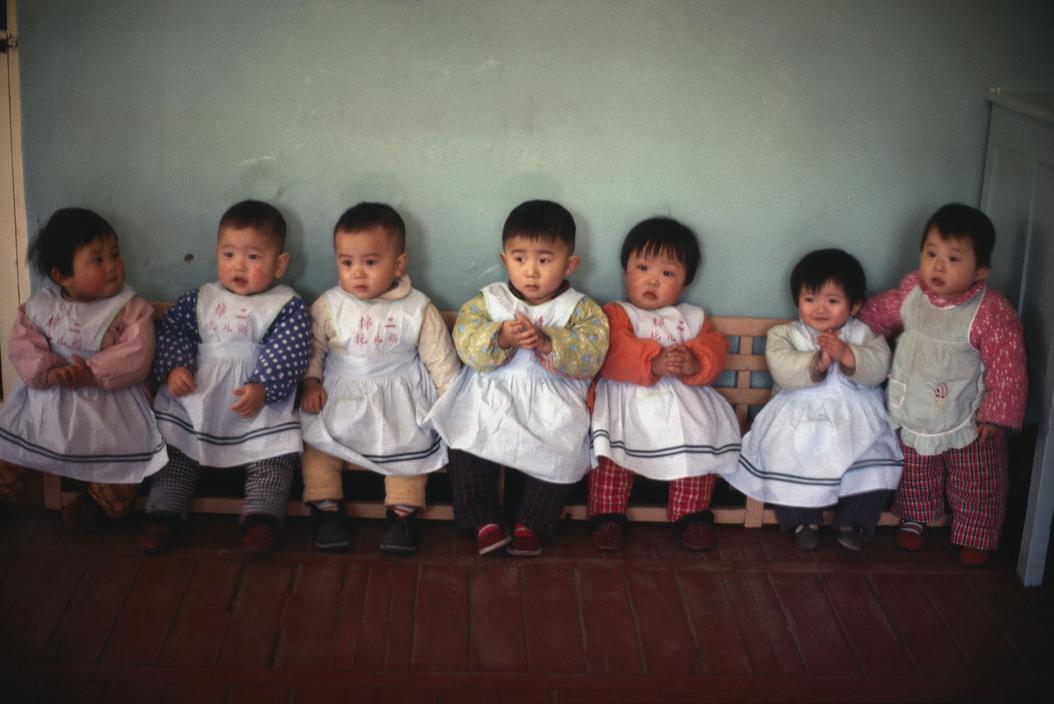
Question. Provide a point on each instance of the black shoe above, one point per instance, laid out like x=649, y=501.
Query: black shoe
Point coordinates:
x=399, y=534
x=331, y=529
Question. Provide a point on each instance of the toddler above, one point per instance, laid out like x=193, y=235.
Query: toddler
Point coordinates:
x=823, y=439
x=82, y=348
x=957, y=385
x=654, y=413
x=530, y=347
x=381, y=353
x=230, y=354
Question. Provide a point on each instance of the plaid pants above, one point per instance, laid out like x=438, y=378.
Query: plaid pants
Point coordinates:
x=474, y=482
x=267, y=484
x=114, y=499
x=610, y=484
x=976, y=487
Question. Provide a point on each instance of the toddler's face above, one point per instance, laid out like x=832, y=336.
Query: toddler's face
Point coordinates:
x=248, y=260
x=825, y=309
x=653, y=281
x=537, y=267
x=368, y=262
x=98, y=271
x=949, y=266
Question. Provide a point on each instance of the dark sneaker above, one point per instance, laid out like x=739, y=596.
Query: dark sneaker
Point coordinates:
x=807, y=536
x=910, y=536
x=849, y=537
x=698, y=535
x=159, y=534
x=259, y=534
x=85, y=515
x=330, y=529
x=525, y=543
x=608, y=536
x=491, y=537
x=399, y=535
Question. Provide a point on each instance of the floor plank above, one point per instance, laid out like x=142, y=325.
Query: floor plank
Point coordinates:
x=919, y=627
x=610, y=633
x=252, y=631
x=308, y=638
x=401, y=614
x=351, y=617
x=817, y=631
x=498, y=640
x=1017, y=620
x=140, y=631
x=872, y=639
x=92, y=610
x=551, y=620
x=712, y=618
x=138, y=691
x=441, y=620
x=666, y=640
x=36, y=610
x=196, y=634
x=777, y=651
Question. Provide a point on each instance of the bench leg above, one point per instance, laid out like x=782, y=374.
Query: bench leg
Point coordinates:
x=755, y=513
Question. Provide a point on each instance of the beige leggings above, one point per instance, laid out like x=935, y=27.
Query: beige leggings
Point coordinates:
x=323, y=482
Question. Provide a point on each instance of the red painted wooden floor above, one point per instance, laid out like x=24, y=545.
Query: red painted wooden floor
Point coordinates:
x=88, y=619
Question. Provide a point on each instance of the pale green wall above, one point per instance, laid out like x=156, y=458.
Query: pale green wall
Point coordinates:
x=770, y=127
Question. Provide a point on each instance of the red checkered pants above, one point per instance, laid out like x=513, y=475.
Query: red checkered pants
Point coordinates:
x=610, y=484
x=976, y=487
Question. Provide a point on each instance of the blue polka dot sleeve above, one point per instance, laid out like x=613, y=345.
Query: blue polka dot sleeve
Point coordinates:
x=177, y=337
x=285, y=352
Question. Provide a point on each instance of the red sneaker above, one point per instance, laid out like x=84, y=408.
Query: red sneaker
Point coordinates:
x=491, y=537
x=973, y=557
x=525, y=542
x=158, y=535
x=698, y=535
x=910, y=536
x=608, y=536
x=260, y=535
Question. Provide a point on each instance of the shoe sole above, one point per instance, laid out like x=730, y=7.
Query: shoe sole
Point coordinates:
x=851, y=546
x=524, y=553
x=500, y=544
x=333, y=547
x=608, y=548
x=397, y=549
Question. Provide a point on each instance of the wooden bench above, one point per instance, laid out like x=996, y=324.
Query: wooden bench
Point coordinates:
x=745, y=384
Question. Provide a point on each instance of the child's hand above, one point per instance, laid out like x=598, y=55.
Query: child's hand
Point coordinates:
x=669, y=362
x=836, y=350
x=73, y=375
x=689, y=364
x=252, y=397
x=180, y=382
x=519, y=332
x=312, y=395
x=823, y=361
x=985, y=432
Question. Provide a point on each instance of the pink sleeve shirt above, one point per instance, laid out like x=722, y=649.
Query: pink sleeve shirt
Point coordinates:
x=124, y=359
x=996, y=334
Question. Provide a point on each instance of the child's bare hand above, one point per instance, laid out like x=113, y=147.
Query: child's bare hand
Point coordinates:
x=60, y=376
x=74, y=375
x=180, y=382
x=823, y=361
x=667, y=363
x=251, y=400
x=312, y=395
x=689, y=364
x=519, y=332
x=986, y=431
x=836, y=349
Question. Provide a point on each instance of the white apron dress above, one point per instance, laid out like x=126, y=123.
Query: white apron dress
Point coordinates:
x=520, y=415
x=936, y=383
x=91, y=434
x=378, y=392
x=202, y=424
x=670, y=430
x=808, y=447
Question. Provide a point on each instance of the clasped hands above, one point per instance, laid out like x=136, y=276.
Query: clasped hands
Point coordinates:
x=677, y=360
x=520, y=332
x=73, y=375
x=251, y=397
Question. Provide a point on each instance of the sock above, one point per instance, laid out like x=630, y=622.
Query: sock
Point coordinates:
x=402, y=510
x=327, y=505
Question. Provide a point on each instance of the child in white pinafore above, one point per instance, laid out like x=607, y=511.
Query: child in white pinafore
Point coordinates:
x=654, y=413
x=82, y=348
x=382, y=352
x=229, y=357
x=824, y=438
x=530, y=347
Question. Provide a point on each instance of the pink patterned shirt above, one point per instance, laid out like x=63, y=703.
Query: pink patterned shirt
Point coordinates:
x=995, y=333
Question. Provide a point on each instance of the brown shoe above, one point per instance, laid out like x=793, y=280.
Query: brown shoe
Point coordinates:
x=260, y=534
x=85, y=515
x=608, y=536
x=698, y=535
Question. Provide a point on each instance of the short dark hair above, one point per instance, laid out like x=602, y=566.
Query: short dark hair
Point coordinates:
x=262, y=217
x=835, y=265
x=657, y=235
x=540, y=220
x=67, y=230
x=366, y=216
x=958, y=221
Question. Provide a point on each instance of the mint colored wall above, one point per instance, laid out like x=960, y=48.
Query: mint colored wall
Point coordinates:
x=771, y=128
